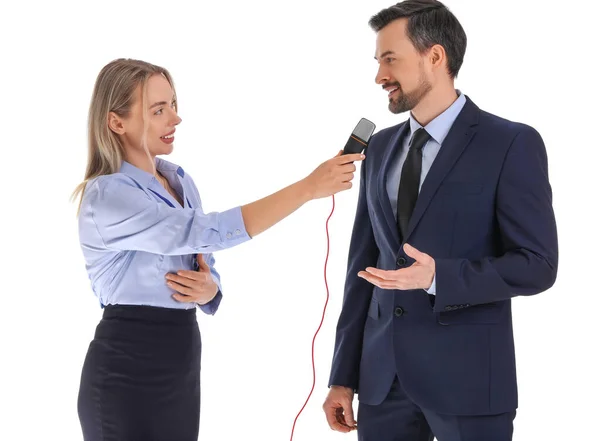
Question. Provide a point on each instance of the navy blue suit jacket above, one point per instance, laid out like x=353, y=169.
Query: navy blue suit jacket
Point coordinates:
x=484, y=213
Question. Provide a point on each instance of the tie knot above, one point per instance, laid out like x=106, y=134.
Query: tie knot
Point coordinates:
x=419, y=139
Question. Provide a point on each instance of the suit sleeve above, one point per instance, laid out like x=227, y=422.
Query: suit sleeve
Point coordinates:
x=363, y=252
x=528, y=237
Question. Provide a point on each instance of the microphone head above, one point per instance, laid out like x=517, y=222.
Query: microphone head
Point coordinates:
x=364, y=130
x=360, y=137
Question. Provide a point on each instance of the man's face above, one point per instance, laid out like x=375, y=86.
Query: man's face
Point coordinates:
x=401, y=68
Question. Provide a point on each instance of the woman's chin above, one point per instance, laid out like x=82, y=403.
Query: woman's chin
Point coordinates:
x=164, y=150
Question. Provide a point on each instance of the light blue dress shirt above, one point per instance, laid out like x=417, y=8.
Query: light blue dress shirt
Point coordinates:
x=438, y=130
x=133, y=232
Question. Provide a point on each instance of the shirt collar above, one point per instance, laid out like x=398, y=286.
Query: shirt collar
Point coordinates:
x=440, y=126
x=145, y=178
x=163, y=165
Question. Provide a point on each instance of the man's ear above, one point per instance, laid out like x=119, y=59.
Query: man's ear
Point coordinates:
x=437, y=56
x=115, y=123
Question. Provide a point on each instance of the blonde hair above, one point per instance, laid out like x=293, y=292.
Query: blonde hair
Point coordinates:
x=114, y=91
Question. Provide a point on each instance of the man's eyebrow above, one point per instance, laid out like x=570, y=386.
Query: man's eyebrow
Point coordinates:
x=385, y=54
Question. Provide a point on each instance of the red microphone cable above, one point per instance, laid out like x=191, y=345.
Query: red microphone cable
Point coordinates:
x=322, y=318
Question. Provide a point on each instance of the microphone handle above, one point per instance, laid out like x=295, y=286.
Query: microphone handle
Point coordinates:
x=354, y=145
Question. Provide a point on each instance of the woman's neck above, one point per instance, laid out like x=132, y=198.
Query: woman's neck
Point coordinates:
x=141, y=161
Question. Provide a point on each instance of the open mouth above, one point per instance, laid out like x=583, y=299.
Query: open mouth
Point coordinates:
x=168, y=138
x=392, y=90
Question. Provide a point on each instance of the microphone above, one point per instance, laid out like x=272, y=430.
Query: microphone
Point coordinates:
x=359, y=140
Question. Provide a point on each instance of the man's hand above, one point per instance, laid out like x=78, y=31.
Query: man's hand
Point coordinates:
x=418, y=275
x=193, y=286
x=338, y=409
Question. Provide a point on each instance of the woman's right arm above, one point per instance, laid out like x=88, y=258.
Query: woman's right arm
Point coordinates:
x=117, y=215
x=329, y=178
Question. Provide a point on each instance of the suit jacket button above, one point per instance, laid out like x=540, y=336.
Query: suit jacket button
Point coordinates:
x=448, y=308
x=401, y=261
x=398, y=311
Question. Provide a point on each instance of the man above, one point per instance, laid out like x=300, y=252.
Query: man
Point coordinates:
x=454, y=219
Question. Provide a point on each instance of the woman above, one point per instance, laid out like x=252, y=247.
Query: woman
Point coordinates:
x=140, y=222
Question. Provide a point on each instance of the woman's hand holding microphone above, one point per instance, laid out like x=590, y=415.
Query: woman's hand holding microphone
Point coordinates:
x=332, y=176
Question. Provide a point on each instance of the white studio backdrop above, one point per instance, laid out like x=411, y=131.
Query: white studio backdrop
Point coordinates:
x=267, y=91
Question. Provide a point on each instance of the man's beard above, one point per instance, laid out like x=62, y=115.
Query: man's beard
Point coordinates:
x=408, y=101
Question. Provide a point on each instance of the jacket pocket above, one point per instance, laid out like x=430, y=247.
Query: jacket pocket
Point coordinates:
x=374, y=309
x=484, y=314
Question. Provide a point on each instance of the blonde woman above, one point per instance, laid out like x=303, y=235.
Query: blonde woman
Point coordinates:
x=148, y=248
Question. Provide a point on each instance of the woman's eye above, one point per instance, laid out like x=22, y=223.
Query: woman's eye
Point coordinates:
x=159, y=111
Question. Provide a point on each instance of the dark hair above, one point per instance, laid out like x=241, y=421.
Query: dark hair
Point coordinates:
x=429, y=22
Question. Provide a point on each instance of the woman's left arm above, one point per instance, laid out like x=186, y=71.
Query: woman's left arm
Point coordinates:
x=202, y=287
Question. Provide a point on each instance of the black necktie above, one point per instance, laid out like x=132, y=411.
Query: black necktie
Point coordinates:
x=408, y=191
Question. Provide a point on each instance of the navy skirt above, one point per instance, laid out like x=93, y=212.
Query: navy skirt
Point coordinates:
x=141, y=376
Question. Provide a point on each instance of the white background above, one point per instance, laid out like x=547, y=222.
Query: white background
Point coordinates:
x=267, y=91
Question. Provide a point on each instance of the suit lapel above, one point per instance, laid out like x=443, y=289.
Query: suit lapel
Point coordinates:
x=389, y=155
x=459, y=136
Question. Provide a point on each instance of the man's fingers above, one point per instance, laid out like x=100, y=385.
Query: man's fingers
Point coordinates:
x=336, y=422
x=381, y=283
x=371, y=278
x=334, y=412
x=331, y=415
x=419, y=256
x=338, y=409
x=349, y=414
x=382, y=274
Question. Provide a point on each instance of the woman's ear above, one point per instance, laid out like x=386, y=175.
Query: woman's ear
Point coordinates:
x=115, y=123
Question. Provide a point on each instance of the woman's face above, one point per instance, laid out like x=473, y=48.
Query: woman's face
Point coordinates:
x=162, y=119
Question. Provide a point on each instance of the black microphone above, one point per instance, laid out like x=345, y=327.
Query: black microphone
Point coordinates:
x=359, y=140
